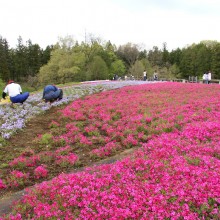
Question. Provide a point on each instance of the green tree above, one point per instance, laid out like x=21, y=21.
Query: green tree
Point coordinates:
x=215, y=62
x=155, y=56
x=108, y=53
x=175, y=56
x=34, y=57
x=142, y=55
x=117, y=67
x=4, y=60
x=202, y=61
x=128, y=53
x=174, y=72
x=187, y=67
x=64, y=66
x=195, y=60
x=98, y=69
x=20, y=60
x=147, y=67
x=137, y=69
x=165, y=55
x=45, y=56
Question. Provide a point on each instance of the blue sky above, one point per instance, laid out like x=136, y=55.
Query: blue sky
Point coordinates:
x=147, y=23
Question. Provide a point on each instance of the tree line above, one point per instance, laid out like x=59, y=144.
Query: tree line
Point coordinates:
x=22, y=63
x=96, y=59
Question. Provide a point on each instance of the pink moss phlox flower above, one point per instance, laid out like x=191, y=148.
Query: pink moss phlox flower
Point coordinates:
x=40, y=172
x=70, y=158
x=63, y=149
x=106, y=150
x=2, y=185
x=174, y=175
x=17, y=178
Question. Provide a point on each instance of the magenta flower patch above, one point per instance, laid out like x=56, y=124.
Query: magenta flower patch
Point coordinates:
x=174, y=174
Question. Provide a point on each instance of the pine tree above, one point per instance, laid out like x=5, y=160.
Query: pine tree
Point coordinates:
x=215, y=62
x=4, y=57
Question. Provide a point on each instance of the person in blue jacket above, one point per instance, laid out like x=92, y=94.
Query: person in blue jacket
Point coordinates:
x=51, y=93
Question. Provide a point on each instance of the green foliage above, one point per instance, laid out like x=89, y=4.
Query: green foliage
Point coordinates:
x=2, y=85
x=193, y=161
x=4, y=165
x=64, y=64
x=74, y=62
x=69, y=61
x=21, y=62
x=155, y=56
x=137, y=69
x=97, y=69
x=168, y=73
x=202, y=60
x=27, y=87
x=174, y=72
x=215, y=62
x=46, y=139
x=187, y=67
x=175, y=56
x=128, y=53
x=3, y=142
x=5, y=59
x=117, y=67
x=165, y=54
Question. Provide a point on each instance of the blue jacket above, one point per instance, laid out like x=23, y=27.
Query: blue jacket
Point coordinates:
x=51, y=92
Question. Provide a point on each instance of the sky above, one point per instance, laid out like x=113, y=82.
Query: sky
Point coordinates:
x=147, y=23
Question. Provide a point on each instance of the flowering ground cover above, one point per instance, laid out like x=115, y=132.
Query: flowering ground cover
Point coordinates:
x=14, y=119
x=175, y=174
x=21, y=133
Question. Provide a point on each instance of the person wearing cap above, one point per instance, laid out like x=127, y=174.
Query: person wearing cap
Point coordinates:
x=51, y=93
x=15, y=93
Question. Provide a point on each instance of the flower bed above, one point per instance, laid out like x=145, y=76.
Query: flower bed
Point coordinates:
x=14, y=119
x=175, y=174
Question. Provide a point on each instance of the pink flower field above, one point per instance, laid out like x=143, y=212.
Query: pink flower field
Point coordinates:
x=174, y=174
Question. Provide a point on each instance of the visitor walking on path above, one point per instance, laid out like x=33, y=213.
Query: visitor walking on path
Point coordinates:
x=15, y=93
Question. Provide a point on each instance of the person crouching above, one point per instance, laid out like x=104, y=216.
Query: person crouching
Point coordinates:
x=15, y=93
x=51, y=93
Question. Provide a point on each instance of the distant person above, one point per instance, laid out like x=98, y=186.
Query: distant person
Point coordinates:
x=209, y=77
x=205, y=78
x=115, y=77
x=15, y=93
x=51, y=93
x=145, y=75
x=155, y=76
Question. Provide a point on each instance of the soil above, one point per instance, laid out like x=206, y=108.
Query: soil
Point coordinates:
x=39, y=125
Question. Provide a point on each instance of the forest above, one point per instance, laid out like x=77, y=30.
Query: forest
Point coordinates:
x=96, y=59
